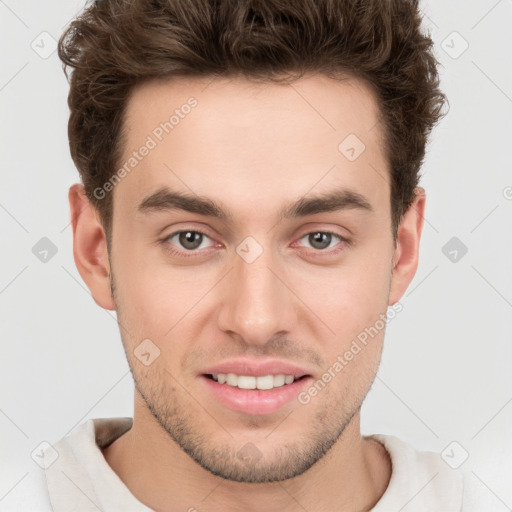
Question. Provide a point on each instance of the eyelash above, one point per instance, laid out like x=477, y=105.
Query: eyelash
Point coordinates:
x=190, y=254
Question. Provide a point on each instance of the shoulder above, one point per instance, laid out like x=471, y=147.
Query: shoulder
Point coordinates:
x=420, y=480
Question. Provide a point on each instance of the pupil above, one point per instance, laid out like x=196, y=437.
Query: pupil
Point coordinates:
x=189, y=239
x=321, y=239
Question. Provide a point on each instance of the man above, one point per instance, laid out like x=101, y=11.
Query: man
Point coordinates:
x=250, y=209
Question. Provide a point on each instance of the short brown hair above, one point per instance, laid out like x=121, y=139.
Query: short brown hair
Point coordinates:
x=116, y=44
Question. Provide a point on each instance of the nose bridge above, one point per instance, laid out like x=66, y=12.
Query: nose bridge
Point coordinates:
x=257, y=303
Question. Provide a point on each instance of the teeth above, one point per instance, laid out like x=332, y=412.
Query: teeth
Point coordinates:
x=279, y=380
x=246, y=382
x=266, y=382
x=251, y=382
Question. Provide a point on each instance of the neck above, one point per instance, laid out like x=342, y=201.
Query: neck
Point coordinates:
x=352, y=476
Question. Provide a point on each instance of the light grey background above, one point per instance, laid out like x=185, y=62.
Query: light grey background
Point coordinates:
x=446, y=369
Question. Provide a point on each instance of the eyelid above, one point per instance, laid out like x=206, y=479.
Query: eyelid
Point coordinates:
x=332, y=250
x=191, y=253
x=166, y=238
x=323, y=231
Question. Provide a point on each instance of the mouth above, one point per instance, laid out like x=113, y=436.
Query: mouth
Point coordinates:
x=254, y=395
x=263, y=382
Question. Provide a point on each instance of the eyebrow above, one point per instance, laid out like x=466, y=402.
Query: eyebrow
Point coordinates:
x=165, y=199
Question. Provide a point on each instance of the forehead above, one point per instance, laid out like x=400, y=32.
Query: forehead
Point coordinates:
x=239, y=139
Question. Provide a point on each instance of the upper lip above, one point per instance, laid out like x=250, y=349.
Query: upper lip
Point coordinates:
x=257, y=368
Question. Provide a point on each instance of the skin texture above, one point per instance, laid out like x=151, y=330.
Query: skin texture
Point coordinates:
x=253, y=149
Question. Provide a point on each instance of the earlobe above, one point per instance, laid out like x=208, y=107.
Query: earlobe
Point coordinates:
x=90, y=247
x=406, y=255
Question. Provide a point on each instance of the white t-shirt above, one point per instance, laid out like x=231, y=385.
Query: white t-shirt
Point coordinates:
x=80, y=479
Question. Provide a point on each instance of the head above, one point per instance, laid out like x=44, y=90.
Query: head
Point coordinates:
x=250, y=189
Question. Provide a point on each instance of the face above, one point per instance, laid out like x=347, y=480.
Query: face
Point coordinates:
x=280, y=251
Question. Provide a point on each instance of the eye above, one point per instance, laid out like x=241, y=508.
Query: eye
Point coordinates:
x=321, y=240
x=189, y=240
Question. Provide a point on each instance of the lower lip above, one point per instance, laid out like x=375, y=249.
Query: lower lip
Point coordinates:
x=256, y=401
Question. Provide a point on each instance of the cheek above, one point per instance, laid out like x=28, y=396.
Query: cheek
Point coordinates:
x=355, y=311
x=139, y=296
x=156, y=300
x=347, y=298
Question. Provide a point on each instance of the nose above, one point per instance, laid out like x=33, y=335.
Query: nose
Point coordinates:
x=258, y=303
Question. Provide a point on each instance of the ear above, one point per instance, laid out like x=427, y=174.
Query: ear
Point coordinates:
x=406, y=255
x=90, y=247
